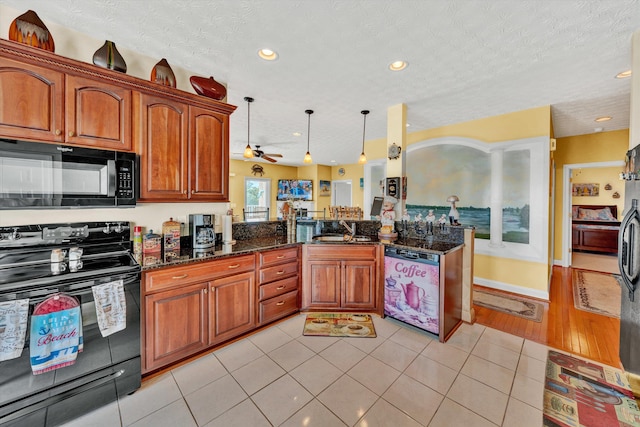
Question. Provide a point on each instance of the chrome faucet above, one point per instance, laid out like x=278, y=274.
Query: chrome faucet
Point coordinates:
x=351, y=230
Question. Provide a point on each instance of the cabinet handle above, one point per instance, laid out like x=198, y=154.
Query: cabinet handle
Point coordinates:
x=280, y=256
x=234, y=266
x=72, y=133
x=182, y=276
x=280, y=272
x=280, y=303
x=184, y=191
x=205, y=291
x=58, y=132
x=280, y=287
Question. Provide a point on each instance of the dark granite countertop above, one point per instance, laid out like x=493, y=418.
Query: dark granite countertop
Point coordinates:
x=241, y=247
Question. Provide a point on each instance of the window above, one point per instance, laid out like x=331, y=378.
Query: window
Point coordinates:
x=257, y=193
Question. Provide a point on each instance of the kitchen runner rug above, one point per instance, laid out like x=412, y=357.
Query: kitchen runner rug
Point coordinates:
x=510, y=304
x=596, y=292
x=582, y=393
x=339, y=325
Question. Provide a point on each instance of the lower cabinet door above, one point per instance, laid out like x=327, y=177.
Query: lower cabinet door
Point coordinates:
x=322, y=284
x=176, y=325
x=277, y=307
x=231, y=306
x=359, y=288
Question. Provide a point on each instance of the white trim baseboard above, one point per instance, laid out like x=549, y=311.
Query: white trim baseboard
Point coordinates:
x=507, y=287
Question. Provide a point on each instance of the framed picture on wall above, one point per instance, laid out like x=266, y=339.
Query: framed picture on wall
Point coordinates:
x=588, y=190
x=325, y=188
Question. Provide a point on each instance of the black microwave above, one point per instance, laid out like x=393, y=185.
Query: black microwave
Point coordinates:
x=38, y=175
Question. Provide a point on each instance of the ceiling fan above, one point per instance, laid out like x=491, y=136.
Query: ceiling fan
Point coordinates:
x=257, y=152
x=248, y=151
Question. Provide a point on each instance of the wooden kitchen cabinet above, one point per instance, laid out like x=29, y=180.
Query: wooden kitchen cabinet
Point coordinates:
x=279, y=283
x=161, y=138
x=184, y=151
x=175, y=324
x=343, y=277
x=189, y=308
x=97, y=114
x=46, y=105
x=31, y=101
x=231, y=306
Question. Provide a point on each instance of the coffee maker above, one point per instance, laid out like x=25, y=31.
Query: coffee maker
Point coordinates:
x=201, y=227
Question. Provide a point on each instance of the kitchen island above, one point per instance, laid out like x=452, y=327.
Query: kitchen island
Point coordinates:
x=198, y=299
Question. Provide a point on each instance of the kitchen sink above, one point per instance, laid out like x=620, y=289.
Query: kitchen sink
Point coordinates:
x=340, y=238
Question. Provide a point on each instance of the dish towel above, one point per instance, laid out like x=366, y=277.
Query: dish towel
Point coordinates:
x=111, y=307
x=56, y=333
x=13, y=328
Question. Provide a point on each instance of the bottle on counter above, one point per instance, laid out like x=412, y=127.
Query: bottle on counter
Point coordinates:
x=137, y=239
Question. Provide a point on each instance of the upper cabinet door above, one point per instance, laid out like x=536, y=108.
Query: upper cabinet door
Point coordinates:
x=209, y=142
x=31, y=102
x=161, y=133
x=97, y=114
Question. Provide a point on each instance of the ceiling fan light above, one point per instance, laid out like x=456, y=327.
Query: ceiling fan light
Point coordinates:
x=248, y=152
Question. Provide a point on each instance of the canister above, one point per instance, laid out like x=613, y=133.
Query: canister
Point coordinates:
x=151, y=243
x=171, y=235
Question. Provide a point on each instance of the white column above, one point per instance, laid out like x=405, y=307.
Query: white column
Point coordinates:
x=497, y=157
x=397, y=133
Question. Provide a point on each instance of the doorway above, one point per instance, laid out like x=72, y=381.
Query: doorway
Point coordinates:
x=570, y=170
x=341, y=193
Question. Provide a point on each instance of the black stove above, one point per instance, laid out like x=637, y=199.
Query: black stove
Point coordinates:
x=38, y=262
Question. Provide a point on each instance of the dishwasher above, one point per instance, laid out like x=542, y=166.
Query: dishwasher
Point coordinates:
x=412, y=288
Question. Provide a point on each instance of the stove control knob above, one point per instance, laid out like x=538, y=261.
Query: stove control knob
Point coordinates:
x=107, y=229
x=119, y=228
x=15, y=235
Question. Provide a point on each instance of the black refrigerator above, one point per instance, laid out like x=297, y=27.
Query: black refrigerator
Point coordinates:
x=629, y=263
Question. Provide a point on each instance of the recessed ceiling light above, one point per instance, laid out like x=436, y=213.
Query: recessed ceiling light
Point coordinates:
x=623, y=75
x=398, y=65
x=603, y=119
x=333, y=161
x=268, y=54
x=297, y=134
x=598, y=129
x=407, y=124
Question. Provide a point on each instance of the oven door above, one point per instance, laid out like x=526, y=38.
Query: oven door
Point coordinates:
x=46, y=175
x=107, y=367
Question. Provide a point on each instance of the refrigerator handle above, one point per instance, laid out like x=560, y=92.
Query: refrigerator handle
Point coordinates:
x=627, y=248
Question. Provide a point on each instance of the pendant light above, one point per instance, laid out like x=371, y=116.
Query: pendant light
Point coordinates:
x=363, y=159
x=307, y=157
x=248, y=152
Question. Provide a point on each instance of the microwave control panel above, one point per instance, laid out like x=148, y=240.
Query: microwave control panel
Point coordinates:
x=125, y=178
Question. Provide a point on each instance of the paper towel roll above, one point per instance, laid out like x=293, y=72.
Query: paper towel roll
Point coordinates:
x=227, y=221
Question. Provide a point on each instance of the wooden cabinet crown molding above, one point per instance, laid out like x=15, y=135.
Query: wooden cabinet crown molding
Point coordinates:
x=50, y=60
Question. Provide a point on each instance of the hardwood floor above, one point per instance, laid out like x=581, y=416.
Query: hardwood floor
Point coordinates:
x=563, y=326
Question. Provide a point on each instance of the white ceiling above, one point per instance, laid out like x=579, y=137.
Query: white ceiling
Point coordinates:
x=467, y=60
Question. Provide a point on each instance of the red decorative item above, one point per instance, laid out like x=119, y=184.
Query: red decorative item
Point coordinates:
x=208, y=87
x=30, y=30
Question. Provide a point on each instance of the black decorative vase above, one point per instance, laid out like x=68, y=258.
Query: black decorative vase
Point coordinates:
x=109, y=57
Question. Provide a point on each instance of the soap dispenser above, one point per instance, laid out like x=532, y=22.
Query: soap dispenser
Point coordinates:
x=318, y=228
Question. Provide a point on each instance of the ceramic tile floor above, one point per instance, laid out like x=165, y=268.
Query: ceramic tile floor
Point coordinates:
x=277, y=377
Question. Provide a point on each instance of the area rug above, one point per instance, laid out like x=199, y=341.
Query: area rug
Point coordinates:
x=355, y=325
x=582, y=393
x=596, y=292
x=510, y=304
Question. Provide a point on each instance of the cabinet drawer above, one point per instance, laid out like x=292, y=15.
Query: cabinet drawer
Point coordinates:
x=277, y=307
x=278, y=272
x=340, y=251
x=278, y=288
x=177, y=276
x=278, y=256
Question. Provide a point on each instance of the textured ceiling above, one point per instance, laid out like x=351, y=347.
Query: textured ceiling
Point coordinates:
x=467, y=60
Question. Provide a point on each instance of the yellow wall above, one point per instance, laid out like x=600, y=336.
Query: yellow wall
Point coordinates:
x=239, y=170
x=591, y=148
x=600, y=176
